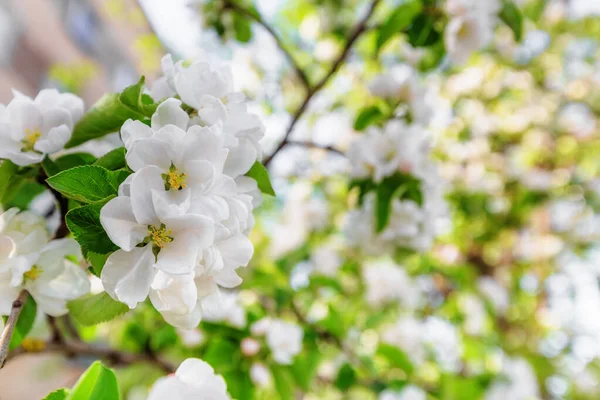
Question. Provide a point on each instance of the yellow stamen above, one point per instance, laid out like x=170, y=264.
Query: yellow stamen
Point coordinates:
x=31, y=137
x=176, y=179
x=33, y=273
x=160, y=236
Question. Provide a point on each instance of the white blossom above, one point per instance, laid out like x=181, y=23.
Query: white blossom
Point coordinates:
x=283, y=338
x=230, y=311
x=326, y=260
x=32, y=128
x=193, y=380
x=387, y=282
x=28, y=261
x=409, y=392
x=260, y=374
x=518, y=382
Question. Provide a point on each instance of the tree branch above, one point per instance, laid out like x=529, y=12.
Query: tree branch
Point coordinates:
x=115, y=357
x=314, y=145
x=11, y=323
x=229, y=5
x=354, y=35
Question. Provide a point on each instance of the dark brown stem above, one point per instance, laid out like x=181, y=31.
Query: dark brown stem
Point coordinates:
x=11, y=323
x=115, y=357
x=229, y=5
x=360, y=27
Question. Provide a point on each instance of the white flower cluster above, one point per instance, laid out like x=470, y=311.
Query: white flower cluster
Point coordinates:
x=419, y=339
x=387, y=282
x=30, y=260
x=397, y=148
x=518, y=382
x=182, y=218
x=30, y=129
x=409, y=392
x=471, y=27
x=283, y=338
x=193, y=380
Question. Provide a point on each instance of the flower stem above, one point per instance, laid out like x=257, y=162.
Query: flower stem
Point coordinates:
x=9, y=329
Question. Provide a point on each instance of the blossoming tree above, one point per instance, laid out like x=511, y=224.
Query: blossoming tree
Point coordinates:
x=440, y=248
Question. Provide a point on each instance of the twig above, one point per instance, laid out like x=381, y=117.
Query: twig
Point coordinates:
x=354, y=35
x=229, y=5
x=55, y=333
x=314, y=145
x=68, y=322
x=11, y=323
x=116, y=357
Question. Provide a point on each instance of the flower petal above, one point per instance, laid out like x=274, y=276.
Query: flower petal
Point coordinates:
x=127, y=275
x=169, y=112
x=119, y=222
x=145, y=152
x=134, y=130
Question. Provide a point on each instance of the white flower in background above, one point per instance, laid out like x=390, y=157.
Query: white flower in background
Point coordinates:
x=230, y=311
x=442, y=339
x=471, y=27
x=406, y=334
x=474, y=313
x=326, y=260
x=190, y=337
x=28, y=261
x=395, y=84
x=250, y=346
x=495, y=293
x=30, y=129
x=283, y=338
x=517, y=383
x=209, y=89
x=409, y=392
x=397, y=148
x=260, y=375
x=193, y=380
x=388, y=282
x=578, y=120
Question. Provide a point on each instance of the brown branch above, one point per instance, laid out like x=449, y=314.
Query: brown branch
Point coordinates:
x=354, y=35
x=229, y=5
x=11, y=323
x=314, y=145
x=115, y=357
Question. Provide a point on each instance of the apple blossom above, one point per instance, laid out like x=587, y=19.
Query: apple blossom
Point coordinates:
x=32, y=128
x=409, y=392
x=283, y=338
x=519, y=382
x=193, y=380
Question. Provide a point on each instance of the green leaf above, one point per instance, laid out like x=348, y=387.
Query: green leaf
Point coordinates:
x=398, y=20
x=95, y=309
x=239, y=385
x=24, y=323
x=88, y=184
x=22, y=195
x=97, y=261
x=50, y=167
x=284, y=383
x=396, y=357
x=74, y=160
x=305, y=368
x=259, y=173
x=221, y=353
x=346, y=377
x=511, y=16
x=110, y=112
x=97, y=383
x=398, y=185
x=242, y=28
x=84, y=224
x=368, y=116
x=112, y=160
x=8, y=171
x=60, y=394
x=423, y=32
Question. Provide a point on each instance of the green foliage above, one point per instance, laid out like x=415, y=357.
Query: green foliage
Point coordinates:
x=97, y=383
x=397, y=21
x=97, y=261
x=284, y=381
x=84, y=224
x=111, y=111
x=346, y=377
x=511, y=16
x=60, y=394
x=24, y=323
x=22, y=195
x=368, y=116
x=396, y=357
x=112, y=160
x=9, y=181
x=259, y=173
x=95, y=309
x=425, y=31
x=88, y=184
x=242, y=28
